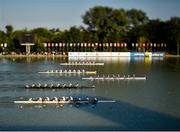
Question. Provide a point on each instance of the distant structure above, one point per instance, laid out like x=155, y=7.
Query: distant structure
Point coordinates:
x=28, y=41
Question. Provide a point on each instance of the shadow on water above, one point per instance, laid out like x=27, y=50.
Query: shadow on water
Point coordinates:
x=125, y=116
x=131, y=117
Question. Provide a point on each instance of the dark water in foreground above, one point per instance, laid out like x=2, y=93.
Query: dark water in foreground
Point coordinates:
x=153, y=104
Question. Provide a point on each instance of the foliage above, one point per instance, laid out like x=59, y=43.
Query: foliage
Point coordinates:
x=103, y=25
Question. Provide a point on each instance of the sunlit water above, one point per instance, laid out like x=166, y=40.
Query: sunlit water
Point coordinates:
x=152, y=104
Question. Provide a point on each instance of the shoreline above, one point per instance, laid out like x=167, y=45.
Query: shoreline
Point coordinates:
x=63, y=56
x=35, y=56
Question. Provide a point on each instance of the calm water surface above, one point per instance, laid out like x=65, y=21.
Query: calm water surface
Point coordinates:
x=153, y=104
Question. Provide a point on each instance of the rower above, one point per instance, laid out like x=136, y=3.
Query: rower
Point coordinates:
x=79, y=71
x=93, y=101
x=51, y=85
x=55, y=99
x=30, y=99
x=70, y=85
x=74, y=71
x=39, y=85
x=71, y=98
x=27, y=86
x=39, y=99
x=58, y=85
x=56, y=71
x=51, y=71
x=63, y=98
x=45, y=85
x=77, y=85
x=60, y=71
x=46, y=99
x=134, y=76
x=65, y=71
x=64, y=85
x=69, y=71
x=83, y=71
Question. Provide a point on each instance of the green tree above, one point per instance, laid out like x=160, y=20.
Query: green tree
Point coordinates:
x=136, y=17
x=105, y=21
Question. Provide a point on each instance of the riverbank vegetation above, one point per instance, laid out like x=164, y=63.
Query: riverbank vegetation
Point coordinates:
x=101, y=25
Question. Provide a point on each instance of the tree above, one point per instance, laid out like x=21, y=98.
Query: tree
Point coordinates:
x=173, y=33
x=9, y=30
x=105, y=21
x=136, y=17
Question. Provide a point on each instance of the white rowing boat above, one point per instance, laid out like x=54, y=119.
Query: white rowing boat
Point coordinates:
x=82, y=63
x=63, y=100
x=68, y=72
x=114, y=78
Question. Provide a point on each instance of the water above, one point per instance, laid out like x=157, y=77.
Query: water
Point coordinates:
x=140, y=105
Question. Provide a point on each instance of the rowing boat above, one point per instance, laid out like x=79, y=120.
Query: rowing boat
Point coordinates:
x=63, y=100
x=114, y=78
x=68, y=72
x=56, y=86
x=82, y=63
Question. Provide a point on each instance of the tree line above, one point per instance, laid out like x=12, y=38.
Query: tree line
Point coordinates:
x=102, y=25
